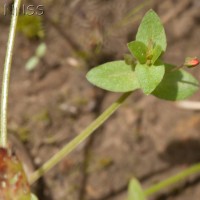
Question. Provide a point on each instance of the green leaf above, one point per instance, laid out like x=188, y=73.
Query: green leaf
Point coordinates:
x=114, y=76
x=176, y=85
x=151, y=30
x=157, y=51
x=135, y=191
x=139, y=50
x=33, y=197
x=41, y=50
x=149, y=76
x=32, y=63
x=129, y=60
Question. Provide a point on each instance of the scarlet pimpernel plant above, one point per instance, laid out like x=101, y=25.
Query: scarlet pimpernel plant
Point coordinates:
x=146, y=70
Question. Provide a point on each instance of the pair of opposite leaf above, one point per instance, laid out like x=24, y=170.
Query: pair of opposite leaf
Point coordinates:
x=149, y=72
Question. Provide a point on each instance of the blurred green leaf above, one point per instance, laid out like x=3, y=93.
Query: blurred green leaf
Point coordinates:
x=30, y=26
x=41, y=50
x=139, y=50
x=33, y=197
x=32, y=63
x=149, y=76
x=135, y=191
x=176, y=85
x=152, y=30
x=114, y=76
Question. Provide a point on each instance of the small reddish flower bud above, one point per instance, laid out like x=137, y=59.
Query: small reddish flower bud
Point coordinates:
x=191, y=62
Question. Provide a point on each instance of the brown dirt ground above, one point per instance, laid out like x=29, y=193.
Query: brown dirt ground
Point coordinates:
x=147, y=138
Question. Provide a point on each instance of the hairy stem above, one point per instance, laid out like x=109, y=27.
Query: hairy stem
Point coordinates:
x=6, y=74
x=173, y=180
x=78, y=139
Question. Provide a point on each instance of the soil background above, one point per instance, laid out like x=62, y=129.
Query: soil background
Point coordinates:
x=147, y=138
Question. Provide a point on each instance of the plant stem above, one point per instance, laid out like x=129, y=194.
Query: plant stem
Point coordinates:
x=6, y=74
x=78, y=139
x=174, y=179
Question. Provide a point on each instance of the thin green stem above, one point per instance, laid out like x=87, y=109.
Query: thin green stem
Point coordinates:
x=173, y=180
x=78, y=139
x=6, y=74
